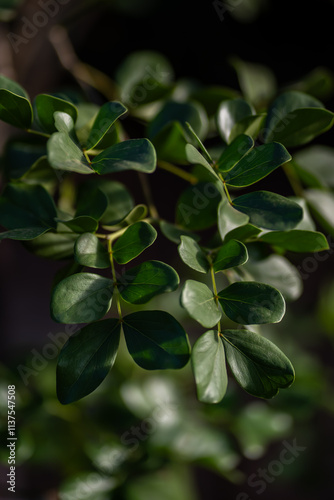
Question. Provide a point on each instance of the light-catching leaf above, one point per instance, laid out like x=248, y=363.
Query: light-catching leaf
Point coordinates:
x=86, y=359
x=257, y=364
x=106, y=117
x=155, y=340
x=232, y=254
x=81, y=298
x=133, y=242
x=257, y=164
x=209, y=367
x=296, y=240
x=229, y=113
x=192, y=255
x=89, y=251
x=134, y=154
x=229, y=218
x=15, y=107
x=234, y=152
x=251, y=303
x=65, y=154
x=47, y=105
x=200, y=304
x=141, y=283
x=269, y=210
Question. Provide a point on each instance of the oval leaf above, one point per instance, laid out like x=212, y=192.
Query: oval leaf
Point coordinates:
x=64, y=154
x=251, y=303
x=192, y=255
x=174, y=233
x=81, y=298
x=133, y=242
x=209, y=367
x=141, y=283
x=257, y=164
x=199, y=302
x=229, y=218
x=234, y=152
x=257, y=364
x=155, y=340
x=15, y=107
x=197, y=206
x=134, y=154
x=89, y=251
x=231, y=112
x=47, y=105
x=86, y=359
x=106, y=117
x=231, y=254
x=269, y=210
x=297, y=240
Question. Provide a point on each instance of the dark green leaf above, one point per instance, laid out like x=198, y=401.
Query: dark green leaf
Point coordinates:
x=86, y=359
x=141, y=283
x=200, y=304
x=315, y=165
x=174, y=233
x=251, y=303
x=231, y=254
x=64, y=154
x=120, y=201
x=20, y=155
x=295, y=118
x=155, y=340
x=47, y=105
x=211, y=96
x=192, y=255
x=198, y=142
x=196, y=158
x=243, y=233
x=257, y=164
x=134, y=154
x=93, y=205
x=81, y=298
x=322, y=205
x=297, y=240
x=229, y=218
x=269, y=210
x=107, y=115
x=209, y=367
x=170, y=144
x=133, y=242
x=26, y=233
x=89, y=251
x=81, y=224
x=197, y=206
x=234, y=152
x=54, y=246
x=252, y=126
x=15, y=107
x=258, y=365
x=231, y=112
x=26, y=206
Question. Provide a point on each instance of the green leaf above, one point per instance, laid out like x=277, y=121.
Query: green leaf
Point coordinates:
x=120, y=201
x=257, y=164
x=93, y=205
x=229, y=113
x=252, y=126
x=231, y=254
x=64, y=154
x=199, y=302
x=257, y=82
x=229, y=218
x=143, y=77
x=155, y=340
x=315, y=165
x=277, y=271
x=15, y=107
x=27, y=206
x=63, y=122
x=322, y=205
x=198, y=141
x=251, y=303
x=296, y=240
x=269, y=210
x=234, y=152
x=196, y=158
x=209, y=367
x=174, y=233
x=107, y=115
x=197, y=206
x=55, y=246
x=295, y=118
x=257, y=364
x=89, y=251
x=243, y=233
x=141, y=283
x=20, y=155
x=81, y=298
x=192, y=255
x=47, y=105
x=134, y=154
x=170, y=144
x=133, y=242
x=86, y=358
x=211, y=96
x=81, y=224
x=25, y=233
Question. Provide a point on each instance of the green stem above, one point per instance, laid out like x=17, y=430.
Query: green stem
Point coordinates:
x=87, y=156
x=173, y=169
x=113, y=270
x=214, y=286
x=36, y=132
